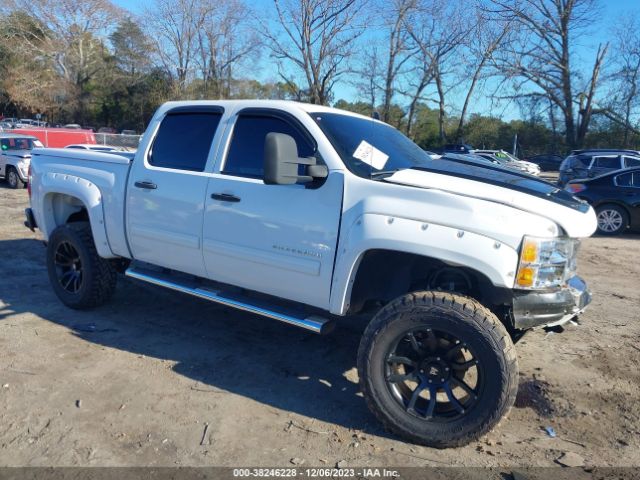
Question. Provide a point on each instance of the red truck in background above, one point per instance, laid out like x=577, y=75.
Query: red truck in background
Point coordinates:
x=59, y=137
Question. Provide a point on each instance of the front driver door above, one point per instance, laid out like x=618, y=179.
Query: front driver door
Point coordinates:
x=275, y=239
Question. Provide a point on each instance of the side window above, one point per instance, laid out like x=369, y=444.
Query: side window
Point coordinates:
x=183, y=141
x=579, y=162
x=624, y=180
x=607, y=162
x=246, y=152
x=631, y=162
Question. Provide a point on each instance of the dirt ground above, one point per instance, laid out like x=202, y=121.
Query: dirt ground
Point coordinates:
x=165, y=379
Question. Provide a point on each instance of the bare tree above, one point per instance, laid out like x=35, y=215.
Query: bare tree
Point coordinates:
x=542, y=55
x=438, y=31
x=223, y=43
x=70, y=35
x=367, y=77
x=174, y=24
x=483, y=41
x=626, y=77
x=400, y=50
x=316, y=37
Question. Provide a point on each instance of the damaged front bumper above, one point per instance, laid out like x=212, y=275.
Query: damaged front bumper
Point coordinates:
x=533, y=309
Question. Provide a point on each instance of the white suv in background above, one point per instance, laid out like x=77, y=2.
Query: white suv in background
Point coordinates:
x=15, y=157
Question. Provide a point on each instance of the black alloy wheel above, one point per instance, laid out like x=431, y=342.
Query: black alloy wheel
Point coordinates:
x=433, y=375
x=68, y=267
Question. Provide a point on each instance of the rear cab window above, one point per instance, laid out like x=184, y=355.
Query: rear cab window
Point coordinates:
x=184, y=139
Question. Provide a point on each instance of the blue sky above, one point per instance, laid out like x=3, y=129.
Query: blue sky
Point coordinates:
x=611, y=11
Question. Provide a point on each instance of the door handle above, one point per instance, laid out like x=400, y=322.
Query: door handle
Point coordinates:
x=147, y=185
x=225, y=197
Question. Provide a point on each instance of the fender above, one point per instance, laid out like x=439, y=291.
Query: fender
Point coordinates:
x=496, y=260
x=89, y=196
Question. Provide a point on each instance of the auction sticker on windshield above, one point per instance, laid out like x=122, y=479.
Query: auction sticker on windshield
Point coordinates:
x=370, y=155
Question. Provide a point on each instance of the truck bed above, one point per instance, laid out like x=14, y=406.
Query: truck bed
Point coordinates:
x=107, y=171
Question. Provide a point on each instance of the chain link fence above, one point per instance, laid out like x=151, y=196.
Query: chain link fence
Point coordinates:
x=130, y=142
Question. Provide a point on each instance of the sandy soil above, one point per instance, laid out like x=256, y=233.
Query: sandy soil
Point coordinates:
x=167, y=379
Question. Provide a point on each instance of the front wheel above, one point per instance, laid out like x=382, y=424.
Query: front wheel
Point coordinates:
x=79, y=276
x=13, y=179
x=437, y=368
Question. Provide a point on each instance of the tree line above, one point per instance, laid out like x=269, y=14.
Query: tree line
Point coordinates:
x=428, y=67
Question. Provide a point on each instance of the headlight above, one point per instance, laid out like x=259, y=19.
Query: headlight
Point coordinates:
x=546, y=262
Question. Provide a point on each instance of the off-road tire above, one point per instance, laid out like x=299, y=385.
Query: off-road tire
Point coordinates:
x=13, y=179
x=98, y=274
x=473, y=324
x=624, y=218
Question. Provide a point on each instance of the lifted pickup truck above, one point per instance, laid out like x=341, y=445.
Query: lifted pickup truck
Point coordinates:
x=305, y=214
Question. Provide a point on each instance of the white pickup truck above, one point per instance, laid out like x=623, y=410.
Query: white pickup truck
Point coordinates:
x=305, y=214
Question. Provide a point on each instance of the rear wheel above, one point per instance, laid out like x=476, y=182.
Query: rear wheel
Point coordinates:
x=79, y=276
x=13, y=179
x=437, y=368
x=612, y=219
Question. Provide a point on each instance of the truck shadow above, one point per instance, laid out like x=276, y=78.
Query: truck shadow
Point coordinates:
x=219, y=348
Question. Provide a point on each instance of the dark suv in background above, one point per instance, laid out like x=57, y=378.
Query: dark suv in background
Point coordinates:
x=548, y=162
x=592, y=163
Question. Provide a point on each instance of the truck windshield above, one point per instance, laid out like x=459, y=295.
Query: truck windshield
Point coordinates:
x=369, y=147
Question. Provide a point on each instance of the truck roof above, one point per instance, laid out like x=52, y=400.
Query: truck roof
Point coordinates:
x=279, y=104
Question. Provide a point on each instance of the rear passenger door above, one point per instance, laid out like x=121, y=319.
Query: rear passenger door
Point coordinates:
x=167, y=187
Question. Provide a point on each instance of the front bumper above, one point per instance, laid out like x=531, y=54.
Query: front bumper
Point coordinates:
x=533, y=309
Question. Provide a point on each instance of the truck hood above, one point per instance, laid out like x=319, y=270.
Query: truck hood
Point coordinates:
x=511, y=188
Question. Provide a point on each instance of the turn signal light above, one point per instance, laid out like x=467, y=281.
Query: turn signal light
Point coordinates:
x=529, y=252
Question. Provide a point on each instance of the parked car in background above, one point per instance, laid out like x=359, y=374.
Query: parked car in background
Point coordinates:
x=107, y=130
x=95, y=147
x=614, y=196
x=10, y=120
x=72, y=125
x=128, y=132
x=509, y=161
x=472, y=159
x=548, y=162
x=590, y=164
x=15, y=157
x=121, y=151
x=457, y=148
x=5, y=126
x=433, y=155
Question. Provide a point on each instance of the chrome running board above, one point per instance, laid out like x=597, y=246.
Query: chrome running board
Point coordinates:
x=314, y=323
